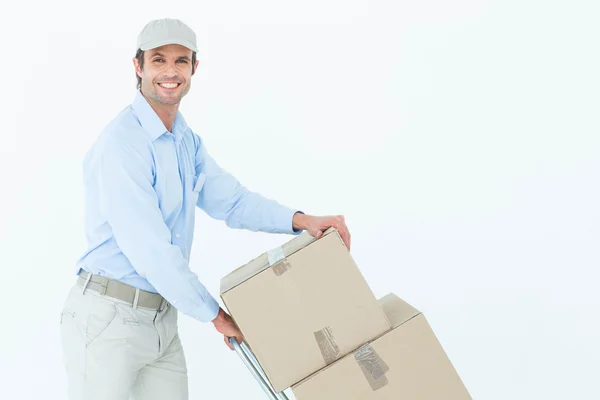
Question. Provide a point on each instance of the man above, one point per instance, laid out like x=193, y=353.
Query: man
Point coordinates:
x=143, y=179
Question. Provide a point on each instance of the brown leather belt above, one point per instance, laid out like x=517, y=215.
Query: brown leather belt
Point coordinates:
x=121, y=291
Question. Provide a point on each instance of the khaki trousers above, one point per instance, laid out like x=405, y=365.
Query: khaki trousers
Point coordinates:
x=115, y=352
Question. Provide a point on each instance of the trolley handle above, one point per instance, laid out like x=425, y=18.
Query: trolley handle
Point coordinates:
x=252, y=364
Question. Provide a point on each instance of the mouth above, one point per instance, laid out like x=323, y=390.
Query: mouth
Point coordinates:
x=169, y=85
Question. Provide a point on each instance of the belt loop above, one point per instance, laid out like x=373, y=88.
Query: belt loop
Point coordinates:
x=136, y=298
x=87, y=280
x=104, y=282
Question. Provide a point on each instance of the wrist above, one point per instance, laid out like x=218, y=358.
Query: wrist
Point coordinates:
x=299, y=221
x=219, y=318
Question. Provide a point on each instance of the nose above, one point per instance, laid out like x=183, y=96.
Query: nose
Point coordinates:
x=170, y=70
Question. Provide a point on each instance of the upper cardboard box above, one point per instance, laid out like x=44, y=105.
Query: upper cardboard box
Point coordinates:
x=302, y=306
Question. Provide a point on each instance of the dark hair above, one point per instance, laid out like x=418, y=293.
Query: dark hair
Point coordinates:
x=140, y=57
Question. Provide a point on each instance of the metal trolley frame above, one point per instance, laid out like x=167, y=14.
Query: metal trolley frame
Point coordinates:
x=252, y=363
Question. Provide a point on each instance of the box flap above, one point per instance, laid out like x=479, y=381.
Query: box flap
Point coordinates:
x=261, y=262
x=397, y=310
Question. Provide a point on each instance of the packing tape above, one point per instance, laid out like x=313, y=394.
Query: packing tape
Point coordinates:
x=281, y=267
x=275, y=255
x=329, y=348
x=277, y=261
x=372, y=366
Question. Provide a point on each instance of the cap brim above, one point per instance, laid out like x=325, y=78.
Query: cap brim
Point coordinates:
x=155, y=44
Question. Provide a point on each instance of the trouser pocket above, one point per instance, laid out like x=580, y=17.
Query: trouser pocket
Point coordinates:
x=87, y=316
x=101, y=316
x=66, y=313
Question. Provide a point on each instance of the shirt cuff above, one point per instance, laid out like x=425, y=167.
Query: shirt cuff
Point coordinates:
x=211, y=310
x=296, y=231
x=284, y=221
x=282, y=218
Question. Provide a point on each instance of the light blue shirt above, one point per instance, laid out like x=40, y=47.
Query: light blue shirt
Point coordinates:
x=141, y=186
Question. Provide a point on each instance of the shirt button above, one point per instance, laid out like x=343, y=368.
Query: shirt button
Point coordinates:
x=177, y=235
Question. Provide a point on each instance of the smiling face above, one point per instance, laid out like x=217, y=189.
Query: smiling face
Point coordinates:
x=166, y=74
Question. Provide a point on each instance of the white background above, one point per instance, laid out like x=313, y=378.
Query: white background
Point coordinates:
x=459, y=139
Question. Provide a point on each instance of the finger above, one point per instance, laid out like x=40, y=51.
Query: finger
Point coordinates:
x=240, y=337
x=346, y=236
x=333, y=222
x=338, y=223
x=343, y=230
x=228, y=343
x=349, y=236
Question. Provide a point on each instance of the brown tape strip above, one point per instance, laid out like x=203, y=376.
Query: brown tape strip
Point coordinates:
x=329, y=348
x=372, y=366
x=281, y=267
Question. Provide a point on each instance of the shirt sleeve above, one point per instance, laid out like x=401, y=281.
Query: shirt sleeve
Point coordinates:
x=130, y=205
x=223, y=197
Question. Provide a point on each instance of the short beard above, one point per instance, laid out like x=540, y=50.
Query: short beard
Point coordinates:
x=155, y=96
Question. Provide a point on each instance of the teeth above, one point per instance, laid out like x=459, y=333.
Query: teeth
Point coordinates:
x=169, y=85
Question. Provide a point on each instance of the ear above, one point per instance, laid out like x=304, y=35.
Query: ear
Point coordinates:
x=136, y=65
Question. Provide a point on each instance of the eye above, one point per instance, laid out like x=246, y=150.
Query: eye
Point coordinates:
x=158, y=60
x=183, y=61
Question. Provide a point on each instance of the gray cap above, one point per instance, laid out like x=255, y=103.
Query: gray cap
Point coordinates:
x=160, y=32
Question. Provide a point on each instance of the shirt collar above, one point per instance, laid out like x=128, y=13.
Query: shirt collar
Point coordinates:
x=152, y=123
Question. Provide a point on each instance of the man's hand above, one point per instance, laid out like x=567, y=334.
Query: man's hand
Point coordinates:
x=315, y=226
x=224, y=324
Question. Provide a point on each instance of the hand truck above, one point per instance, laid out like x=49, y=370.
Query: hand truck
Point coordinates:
x=252, y=363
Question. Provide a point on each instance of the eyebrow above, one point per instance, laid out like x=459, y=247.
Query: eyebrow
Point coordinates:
x=162, y=55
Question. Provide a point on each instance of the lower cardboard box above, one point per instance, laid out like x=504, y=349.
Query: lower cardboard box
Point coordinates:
x=407, y=362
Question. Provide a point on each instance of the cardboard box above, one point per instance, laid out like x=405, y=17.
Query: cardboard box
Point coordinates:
x=407, y=362
x=302, y=306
